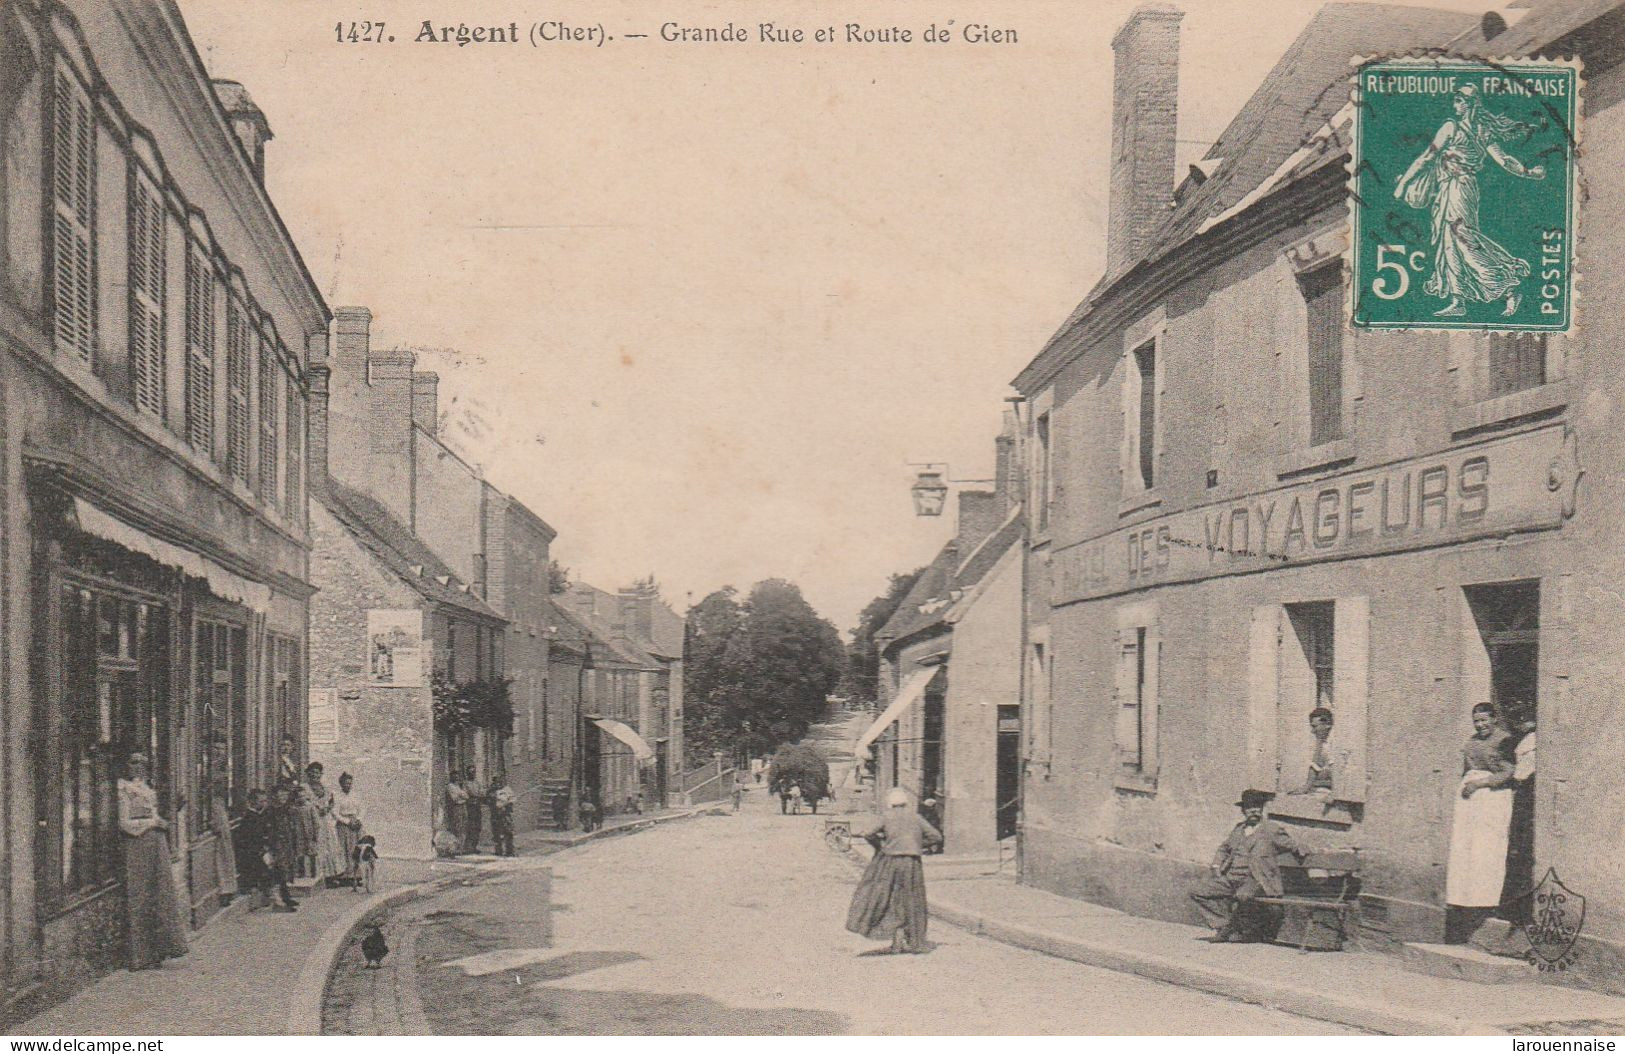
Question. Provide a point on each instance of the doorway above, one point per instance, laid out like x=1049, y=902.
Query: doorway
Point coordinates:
x=1507, y=618
x=1007, y=777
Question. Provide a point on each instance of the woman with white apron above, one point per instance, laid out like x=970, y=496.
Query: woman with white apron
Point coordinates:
x=1478, y=836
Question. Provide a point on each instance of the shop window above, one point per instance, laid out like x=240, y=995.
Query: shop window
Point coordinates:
x=1139, y=662
x=221, y=717
x=1305, y=657
x=103, y=694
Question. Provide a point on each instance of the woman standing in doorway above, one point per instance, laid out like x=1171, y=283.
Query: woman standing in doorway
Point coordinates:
x=1478, y=833
x=155, y=929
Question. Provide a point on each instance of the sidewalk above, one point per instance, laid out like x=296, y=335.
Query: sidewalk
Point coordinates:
x=618, y=824
x=1361, y=989
x=240, y=976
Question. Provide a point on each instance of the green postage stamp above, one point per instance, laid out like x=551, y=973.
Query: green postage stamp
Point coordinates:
x=1464, y=185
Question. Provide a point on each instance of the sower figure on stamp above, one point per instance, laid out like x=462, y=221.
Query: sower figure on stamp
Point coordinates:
x=1246, y=867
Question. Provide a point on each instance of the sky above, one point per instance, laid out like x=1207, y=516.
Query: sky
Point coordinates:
x=699, y=306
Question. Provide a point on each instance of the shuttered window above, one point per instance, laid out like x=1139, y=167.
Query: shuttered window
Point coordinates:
x=293, y=447
x=1041, y=458
x=146, y=284
x=237, y=374
x=1139, y=661
x=199, y=351
x=1323, y=299
x=1145, y=362
x=1517, y=362
x=268, y=424
x=73, y=232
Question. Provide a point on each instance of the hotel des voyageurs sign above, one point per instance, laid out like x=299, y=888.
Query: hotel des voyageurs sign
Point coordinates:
x=1521, y=482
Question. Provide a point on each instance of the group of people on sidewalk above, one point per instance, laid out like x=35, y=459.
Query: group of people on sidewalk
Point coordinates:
x=1489, y=868
x=467, y=799
x=299, y=828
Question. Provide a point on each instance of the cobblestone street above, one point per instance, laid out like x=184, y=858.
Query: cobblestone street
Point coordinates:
x=723, y=924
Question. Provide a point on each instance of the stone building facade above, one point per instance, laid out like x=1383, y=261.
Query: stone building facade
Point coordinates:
x=155, y=319
x=1242, y=511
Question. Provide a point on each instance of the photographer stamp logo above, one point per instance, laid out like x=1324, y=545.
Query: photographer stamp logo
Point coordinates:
x=1555, y=914
x=1463, y=204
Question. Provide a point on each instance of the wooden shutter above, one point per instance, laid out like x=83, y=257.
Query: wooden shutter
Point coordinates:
x=1263, y=648
x=268, y=424
x=199, y=351
x=73, y=176
x=1517, y=362
x=1145, y=360
x=1323, y=300
x=294, y=449
x=1150, y=701
x=1128, y=697
x=146, y=284
x=237, y=372
x=1351, y=680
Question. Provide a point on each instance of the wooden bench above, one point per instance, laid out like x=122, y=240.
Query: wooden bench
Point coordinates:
x=1316, y=897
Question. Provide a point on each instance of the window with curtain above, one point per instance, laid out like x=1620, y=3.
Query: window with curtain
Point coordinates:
x=73, y=222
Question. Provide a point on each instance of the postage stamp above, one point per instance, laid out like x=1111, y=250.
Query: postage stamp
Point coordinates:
x=1464, y=195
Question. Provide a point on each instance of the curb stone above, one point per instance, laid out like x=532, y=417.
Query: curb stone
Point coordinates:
x=310, y=988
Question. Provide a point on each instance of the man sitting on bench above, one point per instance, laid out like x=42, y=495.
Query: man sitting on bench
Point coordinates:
x=1246, y=867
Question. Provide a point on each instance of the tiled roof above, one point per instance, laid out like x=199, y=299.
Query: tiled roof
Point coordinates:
x=937, y=593
x=403, y=552
x=1548, y=21
x=1304, y=91
x=575, y=625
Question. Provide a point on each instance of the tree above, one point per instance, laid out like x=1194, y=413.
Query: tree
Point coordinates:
x=756, y=673
x=863, y=656
x=558, y=578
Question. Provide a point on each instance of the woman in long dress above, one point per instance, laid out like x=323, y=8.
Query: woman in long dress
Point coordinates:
x=325, y=846
x=890, y=899
x=1467, y=263
x=155, y=930
x=347, y=821
x=1476, y=870
x=225, y=850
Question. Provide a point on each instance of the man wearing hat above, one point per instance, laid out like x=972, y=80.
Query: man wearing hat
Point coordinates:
x=1246, y=867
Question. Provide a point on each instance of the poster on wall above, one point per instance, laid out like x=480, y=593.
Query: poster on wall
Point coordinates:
x=324, y=716
x=395, y=649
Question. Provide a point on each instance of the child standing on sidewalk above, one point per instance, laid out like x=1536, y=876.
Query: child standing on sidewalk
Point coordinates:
x=502, y=814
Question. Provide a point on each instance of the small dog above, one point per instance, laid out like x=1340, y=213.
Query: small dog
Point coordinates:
x=374, y=947
x=365, y=862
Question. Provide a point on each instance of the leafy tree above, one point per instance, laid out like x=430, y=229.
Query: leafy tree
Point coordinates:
x=558, y=578
x=863, y=656
x=756, y=673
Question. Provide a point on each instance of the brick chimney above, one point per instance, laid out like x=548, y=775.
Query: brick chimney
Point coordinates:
x=319, y=377
x=426, y=401
x=979, y=516
x=1145, y=103
x=248, y=123
x=1006, y=470
x=369, y=417
x=352, y=337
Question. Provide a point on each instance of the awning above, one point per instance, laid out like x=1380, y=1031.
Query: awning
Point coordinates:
x=628, y=735
x=222, y=583
x=906, y=696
